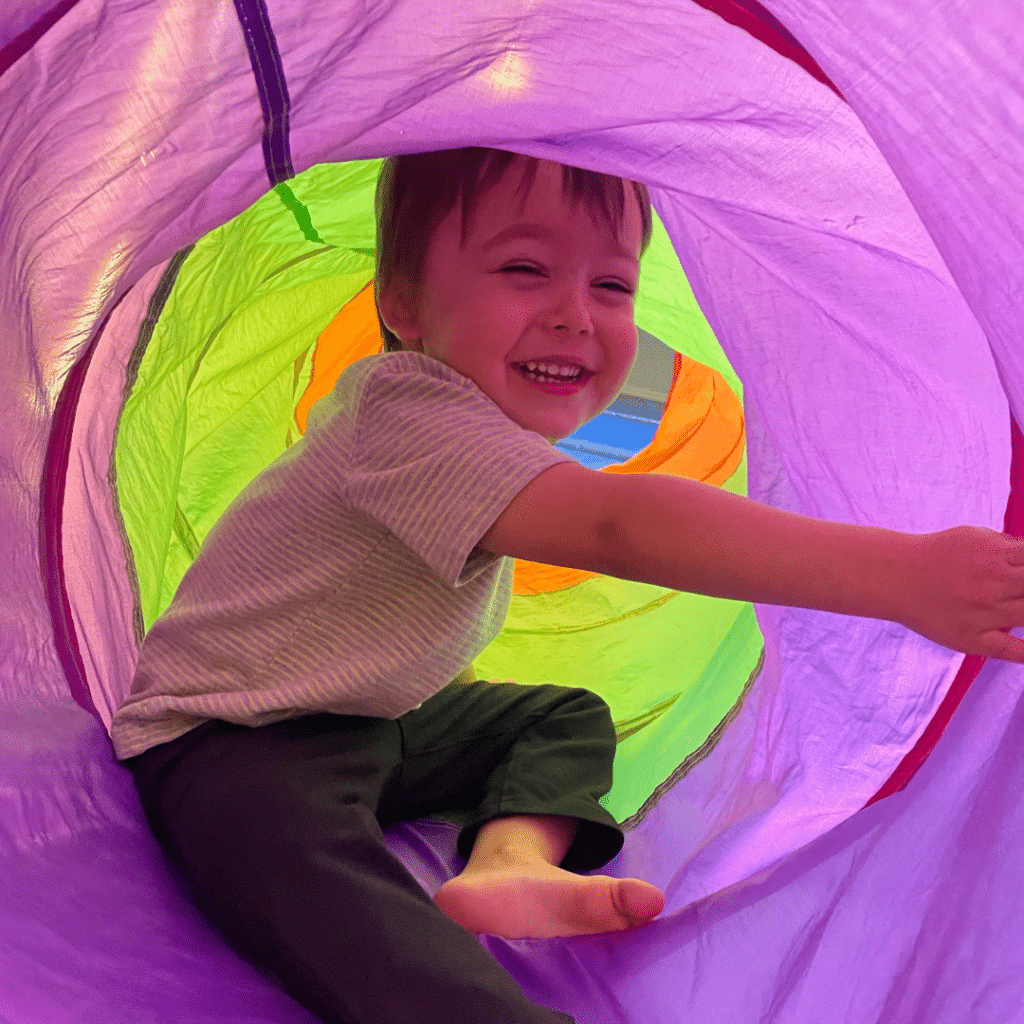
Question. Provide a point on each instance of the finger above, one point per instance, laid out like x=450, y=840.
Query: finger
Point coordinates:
x=1005, y=647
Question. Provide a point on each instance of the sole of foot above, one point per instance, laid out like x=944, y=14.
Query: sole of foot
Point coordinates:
x=543, y=901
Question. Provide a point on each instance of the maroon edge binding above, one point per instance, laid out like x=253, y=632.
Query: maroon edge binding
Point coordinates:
x=20, y=45
x=754, y=19
x=1013, y=524
x=51, y=519
x=749, y=15
x=741, y=13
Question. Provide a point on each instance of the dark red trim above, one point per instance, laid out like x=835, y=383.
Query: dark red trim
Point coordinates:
x=51, y=520
x=750, y=16
x=1013, y=524
x=20, y=45
x=745, y=14
x=753, y=18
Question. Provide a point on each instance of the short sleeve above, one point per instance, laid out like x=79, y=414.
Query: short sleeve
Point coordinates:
x=436, y=461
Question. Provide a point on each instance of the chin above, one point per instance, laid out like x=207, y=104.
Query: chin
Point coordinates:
x=557, y=436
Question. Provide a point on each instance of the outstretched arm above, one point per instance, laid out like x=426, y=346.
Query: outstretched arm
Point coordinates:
x=686, y=535
x=963, y=588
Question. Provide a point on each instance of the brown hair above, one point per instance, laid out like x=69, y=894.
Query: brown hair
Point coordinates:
x=416, y=191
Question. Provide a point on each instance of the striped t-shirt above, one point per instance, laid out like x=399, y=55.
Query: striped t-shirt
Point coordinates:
x=345, y=578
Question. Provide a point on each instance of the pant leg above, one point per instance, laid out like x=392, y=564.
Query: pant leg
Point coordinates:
x=504, y=749
x=274, y=829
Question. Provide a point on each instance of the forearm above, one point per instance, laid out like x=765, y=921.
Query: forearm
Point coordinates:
x=685, y=535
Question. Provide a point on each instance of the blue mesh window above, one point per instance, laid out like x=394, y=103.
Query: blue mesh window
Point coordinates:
x=623, y=429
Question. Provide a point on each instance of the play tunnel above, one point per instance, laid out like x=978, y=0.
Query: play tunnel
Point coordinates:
x=829, y=312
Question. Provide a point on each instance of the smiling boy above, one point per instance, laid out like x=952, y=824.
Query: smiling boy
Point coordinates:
x=534, y=304
x=309, y=682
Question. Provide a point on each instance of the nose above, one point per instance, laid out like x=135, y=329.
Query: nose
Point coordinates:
x=571, y=310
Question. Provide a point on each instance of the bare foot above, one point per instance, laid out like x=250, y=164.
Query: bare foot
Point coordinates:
x=527, y=898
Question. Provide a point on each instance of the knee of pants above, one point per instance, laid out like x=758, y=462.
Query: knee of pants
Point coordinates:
x=579, y=698
x=576, y=694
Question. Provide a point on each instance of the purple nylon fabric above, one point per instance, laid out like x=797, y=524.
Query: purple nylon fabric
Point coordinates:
x=20, y=16
x=875, y=331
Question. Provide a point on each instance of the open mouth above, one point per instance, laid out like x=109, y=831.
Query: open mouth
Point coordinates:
x=560, y=383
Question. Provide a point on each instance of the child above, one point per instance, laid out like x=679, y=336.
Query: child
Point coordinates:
x=308, y=683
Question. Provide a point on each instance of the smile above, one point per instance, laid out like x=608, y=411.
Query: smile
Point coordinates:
x=561, y=383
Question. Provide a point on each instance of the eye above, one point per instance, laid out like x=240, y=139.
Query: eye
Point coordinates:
x=526, y=268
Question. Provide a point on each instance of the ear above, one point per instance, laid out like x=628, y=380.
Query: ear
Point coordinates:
x=399, y=316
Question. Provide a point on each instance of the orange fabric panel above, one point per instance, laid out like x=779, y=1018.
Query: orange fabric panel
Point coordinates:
x=701, y=434
x=351, y=335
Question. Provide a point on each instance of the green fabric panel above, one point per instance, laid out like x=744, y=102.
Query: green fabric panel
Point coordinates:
x=670, y=665
x=665, y=307
x=213, y=404
x=669, y=670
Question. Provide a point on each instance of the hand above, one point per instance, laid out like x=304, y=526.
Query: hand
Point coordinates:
x=965, y=590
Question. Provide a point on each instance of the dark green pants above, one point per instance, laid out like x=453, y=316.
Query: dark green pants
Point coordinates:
x=277, y=830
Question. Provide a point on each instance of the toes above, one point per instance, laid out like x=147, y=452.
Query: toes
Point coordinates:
x=637, y=901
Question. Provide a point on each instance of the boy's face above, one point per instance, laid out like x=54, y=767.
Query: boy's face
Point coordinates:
x=564, y=298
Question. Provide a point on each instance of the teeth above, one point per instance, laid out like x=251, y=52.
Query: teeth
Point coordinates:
x=550, y=370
